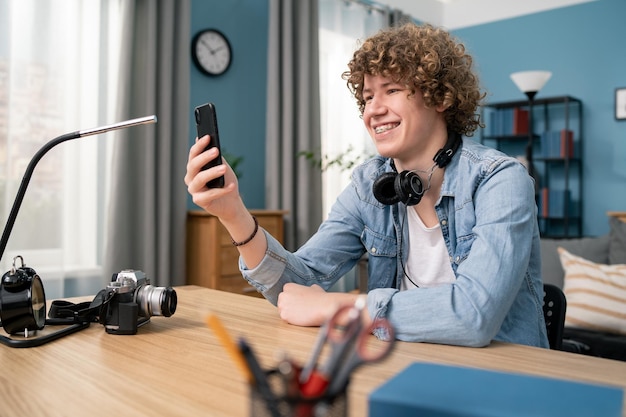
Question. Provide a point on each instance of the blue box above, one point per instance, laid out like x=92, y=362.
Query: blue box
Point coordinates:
x=429, y=390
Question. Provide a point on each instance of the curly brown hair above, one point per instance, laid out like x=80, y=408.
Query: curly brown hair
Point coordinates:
x=423, y=58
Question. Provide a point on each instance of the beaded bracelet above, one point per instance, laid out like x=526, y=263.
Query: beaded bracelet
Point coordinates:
x=256, y=229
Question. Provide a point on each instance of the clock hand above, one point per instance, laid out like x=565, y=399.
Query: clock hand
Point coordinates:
x=205, y=43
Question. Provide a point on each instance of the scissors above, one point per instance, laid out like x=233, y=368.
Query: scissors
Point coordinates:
x=347, y=339
x=363, y=352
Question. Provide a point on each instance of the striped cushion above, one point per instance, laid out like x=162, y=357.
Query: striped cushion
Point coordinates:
x=596, y=294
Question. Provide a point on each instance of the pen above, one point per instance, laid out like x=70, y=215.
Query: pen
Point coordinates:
x=260, y=377
x=214, y=323
x=317, y=350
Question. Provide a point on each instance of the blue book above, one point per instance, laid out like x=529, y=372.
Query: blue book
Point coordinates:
x=558, y=202
x=429, y=390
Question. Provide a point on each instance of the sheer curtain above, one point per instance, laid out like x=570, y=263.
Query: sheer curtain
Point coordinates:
x=344, y=140
x=58, y=74
x=342, y=25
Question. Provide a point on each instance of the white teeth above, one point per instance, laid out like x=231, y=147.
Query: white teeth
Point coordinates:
x=384, y=128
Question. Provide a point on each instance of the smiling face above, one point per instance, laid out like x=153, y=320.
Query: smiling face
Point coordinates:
x=426, y=59
x=400, y=124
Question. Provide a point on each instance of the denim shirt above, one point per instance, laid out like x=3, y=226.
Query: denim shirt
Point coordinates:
x=487, y=214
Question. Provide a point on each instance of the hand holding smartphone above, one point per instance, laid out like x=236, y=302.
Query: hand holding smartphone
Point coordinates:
x=206, y=124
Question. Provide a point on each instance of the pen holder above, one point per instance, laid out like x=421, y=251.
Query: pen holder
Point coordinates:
x=279, y=402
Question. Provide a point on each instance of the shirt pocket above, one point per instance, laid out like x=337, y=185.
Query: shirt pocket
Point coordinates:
x=382, y=254
x=378, y=244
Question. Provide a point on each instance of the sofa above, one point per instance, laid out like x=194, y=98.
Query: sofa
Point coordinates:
x=591, y=271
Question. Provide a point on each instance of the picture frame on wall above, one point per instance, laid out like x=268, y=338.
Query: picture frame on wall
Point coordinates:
x=620, y=103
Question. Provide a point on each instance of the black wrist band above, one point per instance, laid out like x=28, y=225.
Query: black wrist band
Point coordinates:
x=256, y=229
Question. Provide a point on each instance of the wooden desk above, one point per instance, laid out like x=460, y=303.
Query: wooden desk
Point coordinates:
x=176, y=366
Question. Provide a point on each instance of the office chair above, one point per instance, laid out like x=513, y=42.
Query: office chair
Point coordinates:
x=554, y=306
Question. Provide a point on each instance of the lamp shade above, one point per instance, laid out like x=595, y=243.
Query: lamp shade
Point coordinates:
x=530, y=81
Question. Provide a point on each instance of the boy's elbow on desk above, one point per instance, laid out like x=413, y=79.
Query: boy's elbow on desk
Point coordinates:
x=475, y=338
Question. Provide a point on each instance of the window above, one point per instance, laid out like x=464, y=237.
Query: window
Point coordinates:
x=344, y=138
x=58, y=66
x=342, y=25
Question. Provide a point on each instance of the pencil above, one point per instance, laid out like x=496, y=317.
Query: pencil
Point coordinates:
x=262, y=384
x=233, y=350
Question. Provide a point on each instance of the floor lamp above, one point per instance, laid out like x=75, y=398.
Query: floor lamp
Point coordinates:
x=530, y=82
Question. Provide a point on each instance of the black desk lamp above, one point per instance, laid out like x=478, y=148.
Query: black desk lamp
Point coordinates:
x=22, y=297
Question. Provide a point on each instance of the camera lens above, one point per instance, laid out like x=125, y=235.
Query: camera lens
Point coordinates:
x=156, y=301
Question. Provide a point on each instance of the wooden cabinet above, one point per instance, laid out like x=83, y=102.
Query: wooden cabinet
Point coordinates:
x=212, y=260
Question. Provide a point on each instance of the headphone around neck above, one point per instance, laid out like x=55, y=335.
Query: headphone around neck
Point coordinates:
x=406, y=187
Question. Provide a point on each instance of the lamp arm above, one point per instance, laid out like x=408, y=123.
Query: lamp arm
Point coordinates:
x=41, y=152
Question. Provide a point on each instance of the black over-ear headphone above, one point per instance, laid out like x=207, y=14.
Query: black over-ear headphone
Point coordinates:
x=406, y=187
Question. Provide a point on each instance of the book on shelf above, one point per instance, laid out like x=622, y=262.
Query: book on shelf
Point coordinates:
x=520, y=121
x=556, y=203
x=557, y=144
x=508, y=122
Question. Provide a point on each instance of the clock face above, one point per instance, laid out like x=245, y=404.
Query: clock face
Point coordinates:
x=211, y=52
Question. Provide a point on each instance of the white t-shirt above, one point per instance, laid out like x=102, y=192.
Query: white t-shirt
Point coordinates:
x=428, y=264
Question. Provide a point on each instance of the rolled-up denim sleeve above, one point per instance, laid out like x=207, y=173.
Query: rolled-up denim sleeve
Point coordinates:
x=266, y=276
x=377, y=303
x=327, y=256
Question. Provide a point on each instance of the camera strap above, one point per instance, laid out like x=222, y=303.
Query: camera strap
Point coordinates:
x=88, y=311
x=80, y=312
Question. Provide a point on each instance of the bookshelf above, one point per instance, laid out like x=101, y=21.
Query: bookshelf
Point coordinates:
x=557, y=155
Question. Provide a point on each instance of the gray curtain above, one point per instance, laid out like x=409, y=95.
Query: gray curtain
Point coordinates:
x=147, y=211
x=293, y=114
x=397, y=17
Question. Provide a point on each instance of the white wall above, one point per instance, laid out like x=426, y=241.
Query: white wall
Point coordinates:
x=454, y=14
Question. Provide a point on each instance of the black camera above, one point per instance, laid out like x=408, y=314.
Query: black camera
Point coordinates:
x=129, y=301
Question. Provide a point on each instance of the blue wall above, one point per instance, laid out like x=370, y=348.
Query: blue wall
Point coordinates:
x=582, y=45
x=239, y=94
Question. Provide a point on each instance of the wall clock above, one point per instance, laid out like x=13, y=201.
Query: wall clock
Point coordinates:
x=211, y=52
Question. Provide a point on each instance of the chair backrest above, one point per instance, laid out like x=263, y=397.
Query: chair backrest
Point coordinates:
x=554, y=306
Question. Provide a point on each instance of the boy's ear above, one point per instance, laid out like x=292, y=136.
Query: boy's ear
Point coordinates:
x=442, y=107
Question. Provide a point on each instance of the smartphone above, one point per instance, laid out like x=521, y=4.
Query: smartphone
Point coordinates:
x=206, y=124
